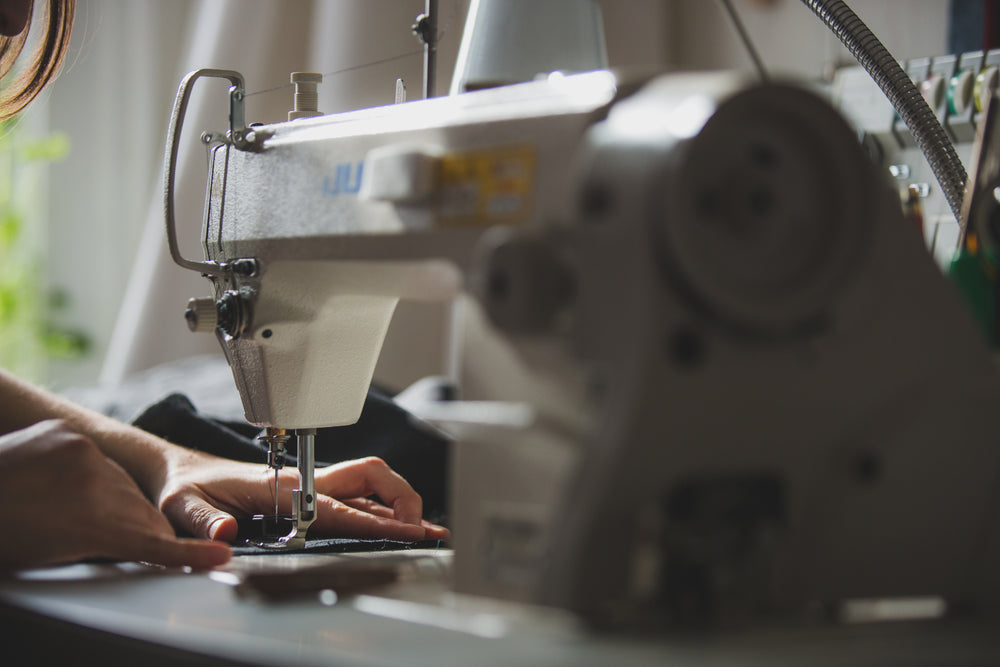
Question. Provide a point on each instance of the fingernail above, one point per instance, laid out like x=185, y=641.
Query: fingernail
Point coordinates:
x=213, y=528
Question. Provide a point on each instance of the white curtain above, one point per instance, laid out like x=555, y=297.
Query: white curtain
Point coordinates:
x=108, y=100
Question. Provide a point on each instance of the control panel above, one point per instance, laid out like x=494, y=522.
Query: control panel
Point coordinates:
x=956, y=87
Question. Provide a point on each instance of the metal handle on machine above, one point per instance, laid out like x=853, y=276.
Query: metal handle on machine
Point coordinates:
x=237, y=132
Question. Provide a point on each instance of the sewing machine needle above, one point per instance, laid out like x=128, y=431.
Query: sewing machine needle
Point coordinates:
x=275, y=496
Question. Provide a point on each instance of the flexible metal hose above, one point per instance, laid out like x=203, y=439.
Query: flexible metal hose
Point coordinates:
x=904, y=96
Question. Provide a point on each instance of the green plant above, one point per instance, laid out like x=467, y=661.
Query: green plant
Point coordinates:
x=28, y=305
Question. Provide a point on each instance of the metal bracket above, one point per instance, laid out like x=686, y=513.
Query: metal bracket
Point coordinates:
x=238, y=135
x=426, y=30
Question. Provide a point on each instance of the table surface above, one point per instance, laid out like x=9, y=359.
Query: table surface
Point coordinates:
x=418, y=621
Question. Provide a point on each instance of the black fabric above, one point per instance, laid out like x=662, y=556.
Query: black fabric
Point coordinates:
x=340, y=545
x=411, y=448
x=175, y=419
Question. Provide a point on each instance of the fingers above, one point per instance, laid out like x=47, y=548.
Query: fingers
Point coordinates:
x=195, y=515
x=370, y=506
x=432, y=531
x=340, y=519
x=91, y=505
x=194, y=495
x=169, y=551
x=146, y=534
x=372, y=476
x=223, y=529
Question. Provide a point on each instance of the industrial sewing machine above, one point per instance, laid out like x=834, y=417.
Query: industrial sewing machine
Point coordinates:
x=742, y=386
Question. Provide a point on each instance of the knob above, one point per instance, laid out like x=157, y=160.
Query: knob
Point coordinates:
x=201, y=315
x=987, y=81
x=960, y=91
x=234, y=311
x=933, y=90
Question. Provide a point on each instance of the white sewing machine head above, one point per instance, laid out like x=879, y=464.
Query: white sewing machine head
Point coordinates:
x=316, y=228
x=754, y=360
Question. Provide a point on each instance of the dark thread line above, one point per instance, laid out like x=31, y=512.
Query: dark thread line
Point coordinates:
x=408, y=54
x=745, y=38
x=344, y=70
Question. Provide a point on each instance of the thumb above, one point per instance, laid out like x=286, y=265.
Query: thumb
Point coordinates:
x=200, y=518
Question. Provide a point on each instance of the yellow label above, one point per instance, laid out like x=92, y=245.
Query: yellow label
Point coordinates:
x=487, y=187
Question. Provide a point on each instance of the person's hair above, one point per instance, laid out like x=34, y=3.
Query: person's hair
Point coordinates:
x=44, y=61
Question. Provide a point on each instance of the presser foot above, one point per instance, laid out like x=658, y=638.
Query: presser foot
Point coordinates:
x=275, y=533
x=279, y=532
x=282, y=544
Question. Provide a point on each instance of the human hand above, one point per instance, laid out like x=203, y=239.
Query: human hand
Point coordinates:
x=203, y=494
x=62, y=500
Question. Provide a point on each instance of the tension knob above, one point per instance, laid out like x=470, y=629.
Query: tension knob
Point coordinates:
x=202, y=315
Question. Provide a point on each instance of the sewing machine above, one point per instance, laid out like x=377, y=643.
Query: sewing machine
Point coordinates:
x=738, y=384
